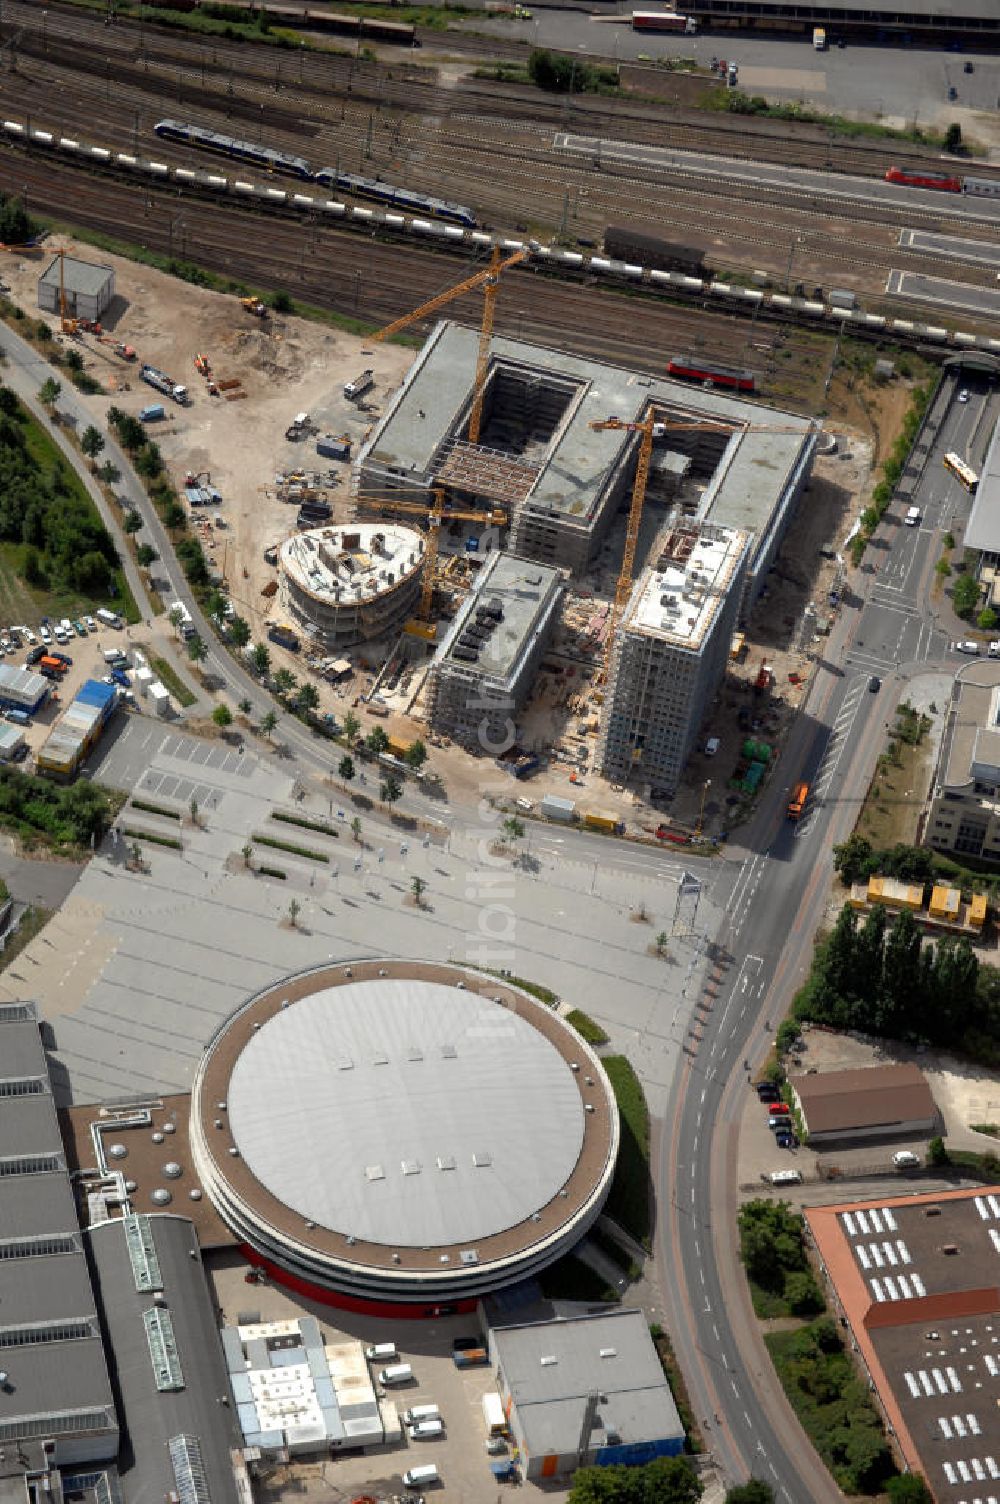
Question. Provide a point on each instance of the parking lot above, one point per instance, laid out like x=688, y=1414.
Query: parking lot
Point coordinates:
x=459, y=1454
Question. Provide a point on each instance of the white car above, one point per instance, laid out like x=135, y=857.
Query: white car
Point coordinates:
x=90, y=623
x=905, y=1159
x=963, y=395
x=967, y=647
x=712, y=746
x=29, y=634
x=44, y=634
x=994, y=648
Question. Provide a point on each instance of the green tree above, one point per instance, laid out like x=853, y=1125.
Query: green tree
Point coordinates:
x=261, y=658
x=668, y=1480
x=415, y=755
x=356, y=828
x=109, y=473
x=965, y=594
x=417, y=888
x=803, y=1294
x=91, y=573
x=294, y=910
x=753, y=1492
x=33, y=572
x=513, y=829
x=351, y=726
x=953, y=138
x=281, y=302
x=146, y=554
x=376, y=741
x=268, y=723
x=239, y=631
x=284, y=681
x=91, y=442
x=197, y=651
x=307, y=697
x=175, y=617
x=770, y=1243
x=661, y=943
x=246, y=852
x=130, y=432
x=222, y=715
x=9, y=404
x=49, y=392
x=391, y=790
x=901, y=973
x=345, y=768
x=132, y=522
x=245, y=706
x=937, y=1154
x=908, y=1488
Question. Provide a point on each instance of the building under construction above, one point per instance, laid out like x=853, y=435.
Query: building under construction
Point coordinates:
x=346, y=585
x=670, y=654
x=560, y=479
x=484, y=669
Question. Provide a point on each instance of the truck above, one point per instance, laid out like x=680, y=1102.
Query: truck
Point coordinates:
x=797, y=803
x=469, y=1357
x=663, y=20
x=361, y=384
x=154, y=377
x=493, y=1414
x=819, y=38
x=283, y=636
x=596, y=819
x=154, y=413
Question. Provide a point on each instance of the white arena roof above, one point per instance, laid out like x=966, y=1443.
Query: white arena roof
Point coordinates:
x=406, y=1113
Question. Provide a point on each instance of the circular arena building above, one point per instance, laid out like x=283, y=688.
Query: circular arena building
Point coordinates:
x=346, y=585
x=402, y=1133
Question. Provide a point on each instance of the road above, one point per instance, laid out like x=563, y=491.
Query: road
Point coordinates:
x=762, y=952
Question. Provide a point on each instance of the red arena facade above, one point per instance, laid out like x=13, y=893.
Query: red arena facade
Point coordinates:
x=402, y=1134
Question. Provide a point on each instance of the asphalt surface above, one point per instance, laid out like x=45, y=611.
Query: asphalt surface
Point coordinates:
x=950, y=247
x=779, y=177
x=762, y=951
x=937, y=290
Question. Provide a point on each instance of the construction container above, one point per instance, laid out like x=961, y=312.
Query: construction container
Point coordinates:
x=144, y=678
x=596, y=819
x=755, y=751
x=554, y=807
x=945, y=904
x=896, y=894
x=159, y=698
x=22, y=690
x=977, y=911
x=153, y=413
x=11, y=742
x=333, y=449
x=77, y=730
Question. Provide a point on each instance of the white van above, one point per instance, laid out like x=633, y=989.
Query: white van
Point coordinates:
x=417, y=1414
x=381, y=1352
x=785, y=1177
x=493, y=1414
x=912, y=516
x=425, y=1430
x=396, y=1373
x=108, y=618
x=420, y=1477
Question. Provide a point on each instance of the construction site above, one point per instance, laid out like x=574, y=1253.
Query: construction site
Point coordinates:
x=494, y=545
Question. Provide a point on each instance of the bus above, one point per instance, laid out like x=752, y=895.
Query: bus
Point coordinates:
x=819, y=39
x=961, y=471
x=797, y=803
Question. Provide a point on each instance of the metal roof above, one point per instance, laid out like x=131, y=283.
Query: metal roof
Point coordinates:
x=155, y=1418
x=983, y=528
x=83, y=277
x=406, y=1112
x=551, y=1367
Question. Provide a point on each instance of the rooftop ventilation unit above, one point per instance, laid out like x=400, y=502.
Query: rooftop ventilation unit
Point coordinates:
x=468, y=1256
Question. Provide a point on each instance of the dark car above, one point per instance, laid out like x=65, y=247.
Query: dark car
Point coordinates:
x=63, y=658
x=874, y=684
x=35, y=654
x=968, y=68
x=785, y=1140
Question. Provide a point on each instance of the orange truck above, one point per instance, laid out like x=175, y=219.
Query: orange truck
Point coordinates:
x=796, y=804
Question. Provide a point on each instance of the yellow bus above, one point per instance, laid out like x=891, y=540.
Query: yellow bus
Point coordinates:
x=961, y=471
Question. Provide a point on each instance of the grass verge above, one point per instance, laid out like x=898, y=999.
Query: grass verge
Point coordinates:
x=313, y=856
x=272, y=872
x=629, y=1201
x=305, y=823
x=151, y=835
x=33, y=921
x=571, y=1279
x=173, y=681
x=534, y=989
x=154, y=809
x=671, y=1368
x=586, y=1027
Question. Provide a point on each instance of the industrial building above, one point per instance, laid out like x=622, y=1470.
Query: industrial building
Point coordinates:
x=77, y=730
x=915, y=1280
x=88, y=288
x=917, y=21
x=296, y=1393
x=964, y=811
x=56, y=1404
x=670, y=655
x=874, y=1102
x=403, y=1134
x=560, y=478
x=584, y=1391
x=170, y=1379
x=485, y=666
x=20, y=689
x=346, y=585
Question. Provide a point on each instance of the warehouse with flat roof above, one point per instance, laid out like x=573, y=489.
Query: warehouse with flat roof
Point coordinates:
x=88, y=288
x=911, y=20
x=560, y=478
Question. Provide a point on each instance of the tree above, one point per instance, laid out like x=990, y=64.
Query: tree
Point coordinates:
x=110, y=473
x=661, y=942
x=145, y=554
x=247, y=854
x=417, y=887
x=197, y=651
x=803, y=1294
x=33, y=573
x=376, y=741
x=49, y=392
x=937, y=1154
x=222, y=715
x=131, y=434
x=965, y=594
x=351, y=726
x=245, y=707
x=753, y=1492
x=356, y=828
x=668, y=1480
x=513, y=829
x=415, y=755
x=9, y=404
x=345, y=768
x=268, y=723
x=193, y=807
x=92, y=442
x=294, y=910
x=175, y=617
x=132, y=522
x=281, y=302
x=853, y=860
x=284, y=681
x=953, y=138
x=261, y=658
x=307, y=697
x=987, y=619
x=908, y=1488
x=391, y=790
x=239, y=631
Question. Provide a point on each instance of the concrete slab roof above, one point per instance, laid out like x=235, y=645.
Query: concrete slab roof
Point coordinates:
x=983, y=528
x=84, y=277
x=551, y=1367
x=975, y=708
x=523, y=591
x=339, y=565
x=580, y=460
x=677, y=599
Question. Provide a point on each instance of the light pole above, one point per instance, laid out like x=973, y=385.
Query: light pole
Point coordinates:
x=796, y=240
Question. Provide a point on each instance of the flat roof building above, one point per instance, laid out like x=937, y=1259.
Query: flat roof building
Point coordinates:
x=89, y=288
x=964, y=812
x=874, y=1102
x=403, y=1133
x=57, y=1388
x=915, y=1278
x=21, y=689
x=560, y=478
x=586, y=1390
x=346, y=585
x=982, y=530
x=923, y=20
x=484, y=668
x=670, y=654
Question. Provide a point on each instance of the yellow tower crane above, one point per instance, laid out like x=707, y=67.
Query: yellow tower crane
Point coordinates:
x=649, y=427
x=434, y=515
x=489, y=280
x=68, y=324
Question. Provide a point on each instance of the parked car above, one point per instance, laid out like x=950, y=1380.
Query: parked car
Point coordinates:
x=63, y=658
x=994, y=648
x=45, y=635
x=79, y=629
x=967, y=647
x=963, y=395
x=785, y=1140
x=90, y=624
x=905, y=1159
x=34, y=655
